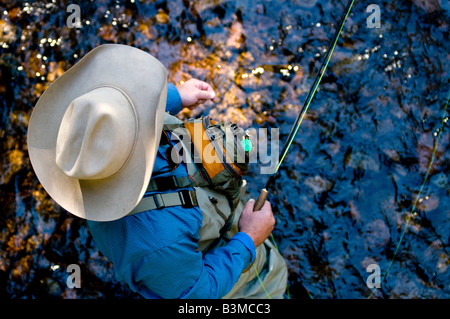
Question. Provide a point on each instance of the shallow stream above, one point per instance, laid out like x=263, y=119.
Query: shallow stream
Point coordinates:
x=348, y=185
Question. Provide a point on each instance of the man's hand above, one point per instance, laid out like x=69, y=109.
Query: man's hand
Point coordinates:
x=259, y=224
x=195, y=92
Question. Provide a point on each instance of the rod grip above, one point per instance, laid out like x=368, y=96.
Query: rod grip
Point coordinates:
x=260, y=200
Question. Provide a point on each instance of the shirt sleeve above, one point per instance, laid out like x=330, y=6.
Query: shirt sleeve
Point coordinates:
x=173, y=104
x=156, y=253
x=189, y=274
x=248, y=243
x=222, y=268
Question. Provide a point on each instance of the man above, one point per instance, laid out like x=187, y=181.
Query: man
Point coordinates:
x=95, y=144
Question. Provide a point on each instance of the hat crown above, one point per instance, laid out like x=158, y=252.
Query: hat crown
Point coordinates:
x=97, y=134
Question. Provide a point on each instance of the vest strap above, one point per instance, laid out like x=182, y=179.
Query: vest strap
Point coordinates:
x=183, y=198
x=173, y=182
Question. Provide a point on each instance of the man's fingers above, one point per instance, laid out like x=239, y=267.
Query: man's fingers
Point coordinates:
x=195, y=92
x=267, y=205
x=250, y=204
x=206, y=89
x=203, y=85
x=213, y=94
x=203, y=96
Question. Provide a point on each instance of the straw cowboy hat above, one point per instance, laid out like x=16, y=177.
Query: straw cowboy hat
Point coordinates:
x=94, y=133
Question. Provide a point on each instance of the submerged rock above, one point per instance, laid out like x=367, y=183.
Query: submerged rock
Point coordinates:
x=377, y=234
x=428, y=5
x=428, y=203
x=363, y=161
x=10, y=164
x=319, y=184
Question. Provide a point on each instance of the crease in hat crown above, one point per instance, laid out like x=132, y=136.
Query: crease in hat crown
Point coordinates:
x=97, y=134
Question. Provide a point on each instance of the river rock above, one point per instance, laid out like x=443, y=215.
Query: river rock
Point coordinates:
x=377, y=234
x=319, y=184
x=363, y=161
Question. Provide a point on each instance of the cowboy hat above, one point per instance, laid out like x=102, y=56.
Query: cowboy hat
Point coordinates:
x=93, y=134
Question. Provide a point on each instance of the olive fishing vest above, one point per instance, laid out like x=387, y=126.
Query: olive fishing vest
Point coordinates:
x=218, y=192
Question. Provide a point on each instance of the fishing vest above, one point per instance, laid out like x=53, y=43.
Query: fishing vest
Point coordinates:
x=215, y=160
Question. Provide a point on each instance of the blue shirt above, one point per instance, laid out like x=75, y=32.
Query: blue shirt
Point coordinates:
x=155, y=252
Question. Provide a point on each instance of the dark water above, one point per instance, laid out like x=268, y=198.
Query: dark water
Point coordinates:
x=346, y=188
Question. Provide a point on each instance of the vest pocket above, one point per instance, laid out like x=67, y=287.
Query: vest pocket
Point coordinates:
x=214, y=201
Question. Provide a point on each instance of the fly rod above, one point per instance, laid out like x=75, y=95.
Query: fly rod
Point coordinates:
x=263, y=195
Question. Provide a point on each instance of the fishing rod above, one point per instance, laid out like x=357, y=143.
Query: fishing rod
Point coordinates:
x=263, y=195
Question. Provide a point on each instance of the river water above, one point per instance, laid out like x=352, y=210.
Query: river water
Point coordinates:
x=350, y=184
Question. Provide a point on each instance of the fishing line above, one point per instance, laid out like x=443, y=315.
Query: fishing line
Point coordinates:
x=262, y=196
x=314, y=87
x=413, y=208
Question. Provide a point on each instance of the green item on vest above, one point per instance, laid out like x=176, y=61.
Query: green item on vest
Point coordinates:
x=247, y=145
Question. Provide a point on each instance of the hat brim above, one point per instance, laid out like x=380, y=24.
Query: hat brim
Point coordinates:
x=144, y=79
